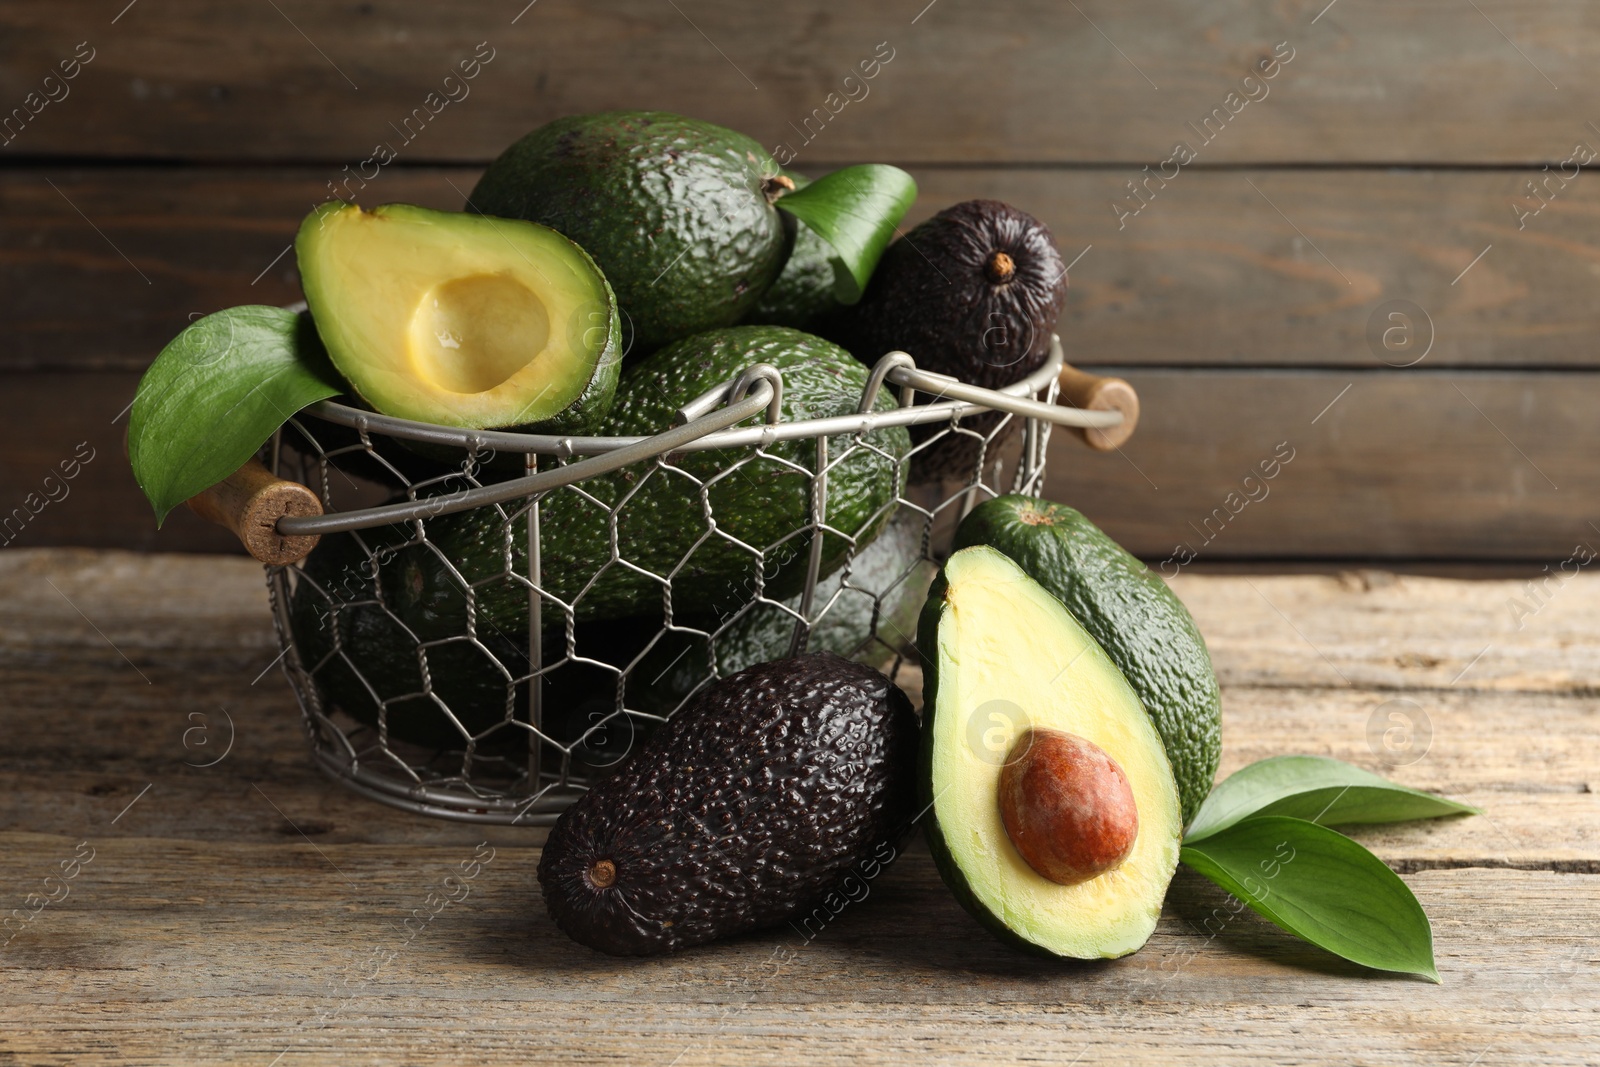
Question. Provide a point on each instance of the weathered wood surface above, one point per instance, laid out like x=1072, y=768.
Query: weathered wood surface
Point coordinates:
x=1408, y=466
x=1207, y=274
x=1426, y=82
x=252, y=910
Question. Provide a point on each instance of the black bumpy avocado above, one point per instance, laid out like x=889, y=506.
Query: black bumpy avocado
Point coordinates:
x=973, y=292
x=748, y=807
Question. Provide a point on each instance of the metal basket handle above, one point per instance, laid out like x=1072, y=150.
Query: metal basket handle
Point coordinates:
x=279, y=521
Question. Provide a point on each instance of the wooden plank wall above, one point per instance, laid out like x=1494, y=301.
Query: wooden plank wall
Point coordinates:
x=1388, y=158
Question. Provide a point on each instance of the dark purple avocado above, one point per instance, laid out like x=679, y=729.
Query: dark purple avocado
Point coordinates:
x=746, y=808
x=973, y=292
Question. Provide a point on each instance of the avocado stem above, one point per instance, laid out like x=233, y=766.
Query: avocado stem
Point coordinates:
x=776, y=186
x=999, y=268
x=602, y=874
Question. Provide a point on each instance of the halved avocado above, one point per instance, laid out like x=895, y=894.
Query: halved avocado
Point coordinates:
x=1028, y=722
x=462, y=320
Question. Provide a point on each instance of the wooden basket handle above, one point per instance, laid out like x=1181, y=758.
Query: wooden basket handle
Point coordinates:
x=250, y=501
x=1081, y=389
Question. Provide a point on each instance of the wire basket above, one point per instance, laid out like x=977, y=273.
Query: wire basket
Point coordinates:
x=500, y=723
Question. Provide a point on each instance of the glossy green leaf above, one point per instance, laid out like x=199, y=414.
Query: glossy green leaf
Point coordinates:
x=1318, y=884
x=216, y=393
x=1316, y=788
x=856, y=211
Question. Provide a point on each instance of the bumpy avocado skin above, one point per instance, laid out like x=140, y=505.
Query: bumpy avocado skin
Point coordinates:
x=932, y=296
x=663, y=521
x=802, y=297
x=348, y=643
x=1129, y=610
x=748, y=808
x=890, y=577
x=674, y=210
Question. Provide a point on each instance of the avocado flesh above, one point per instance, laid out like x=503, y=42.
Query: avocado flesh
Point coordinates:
x=461, y=320
x=677, y=212
x=753, y=806
x=1000, y=647
x=1131, y=612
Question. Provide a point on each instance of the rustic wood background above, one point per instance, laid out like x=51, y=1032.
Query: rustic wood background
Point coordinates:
x=166, y=179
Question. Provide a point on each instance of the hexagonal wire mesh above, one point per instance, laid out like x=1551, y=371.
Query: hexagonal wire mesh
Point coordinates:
x=454, y=640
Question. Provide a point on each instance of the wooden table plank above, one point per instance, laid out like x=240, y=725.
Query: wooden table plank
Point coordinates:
x=1207, y=274
x=1475, y=496
x=1029, y=80
x=1374, y=629
x=254, y=909
x=221, y=952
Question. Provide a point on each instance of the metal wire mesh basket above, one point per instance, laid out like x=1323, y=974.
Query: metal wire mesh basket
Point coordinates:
x=474, y=718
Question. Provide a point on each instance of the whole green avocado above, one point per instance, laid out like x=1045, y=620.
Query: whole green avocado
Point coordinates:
x=1129, y=610
x=653, y=517
x=360, y=659
x=677, y=212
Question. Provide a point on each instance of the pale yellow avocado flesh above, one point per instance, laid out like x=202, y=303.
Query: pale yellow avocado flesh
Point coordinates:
x=452, y=318
x=1011, y=656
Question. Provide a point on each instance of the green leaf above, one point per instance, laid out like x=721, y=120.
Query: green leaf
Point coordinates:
x=856, y=211
x=1323, y=790
x=1318, y=884
x=216, y=393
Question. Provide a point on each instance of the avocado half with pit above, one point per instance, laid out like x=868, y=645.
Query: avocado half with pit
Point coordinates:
x=1052, y=810
x=462, y=320
x=1131, y=612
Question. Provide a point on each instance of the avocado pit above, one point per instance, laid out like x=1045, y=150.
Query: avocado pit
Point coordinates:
x=1067, y=806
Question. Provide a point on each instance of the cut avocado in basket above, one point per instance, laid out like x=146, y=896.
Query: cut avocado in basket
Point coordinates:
x=1053, y=813
x=1131, y=612
x=462, y=320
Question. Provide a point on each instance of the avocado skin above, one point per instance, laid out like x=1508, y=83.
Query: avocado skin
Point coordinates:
x=336, y=597
x=747, y=808
x=930, y=297
x=894, y=567
x=762, y=502
x=802, y=297
x=673, y=209
x=1130, y=611
x=343, y=635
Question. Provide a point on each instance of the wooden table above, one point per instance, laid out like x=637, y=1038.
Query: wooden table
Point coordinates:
x=250, y=911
